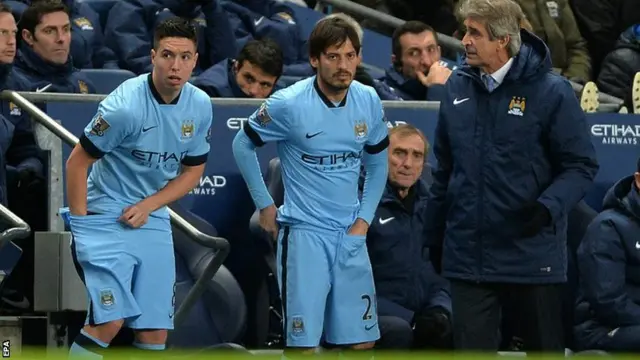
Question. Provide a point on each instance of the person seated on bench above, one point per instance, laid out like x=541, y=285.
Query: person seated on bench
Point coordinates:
x=407, y=285
x=608, y=310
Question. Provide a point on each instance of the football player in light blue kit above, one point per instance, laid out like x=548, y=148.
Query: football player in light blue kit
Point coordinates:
x=325, y=127
x=148, y=144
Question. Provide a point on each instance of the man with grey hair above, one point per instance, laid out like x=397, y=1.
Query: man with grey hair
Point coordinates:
x=514, y=156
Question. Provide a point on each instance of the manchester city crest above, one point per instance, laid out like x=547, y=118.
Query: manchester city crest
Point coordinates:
x=187, y=129
x=361, y=130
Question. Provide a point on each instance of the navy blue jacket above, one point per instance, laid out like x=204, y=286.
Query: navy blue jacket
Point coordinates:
x=18, y=148
x=220, y=81
x=88, y=49
x=609, y=265
x=42, y=75
x=496, y=152
x=405, y=279
x=257, y=19
x=130, y=25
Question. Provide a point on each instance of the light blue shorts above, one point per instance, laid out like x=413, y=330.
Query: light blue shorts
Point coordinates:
x=327, y=289
x=129, y=273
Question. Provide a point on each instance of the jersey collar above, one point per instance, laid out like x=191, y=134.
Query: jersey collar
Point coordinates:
x=325, y=99
x=156, y=94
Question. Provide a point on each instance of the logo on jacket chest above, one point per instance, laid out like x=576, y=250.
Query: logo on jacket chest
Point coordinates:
x=517, y=106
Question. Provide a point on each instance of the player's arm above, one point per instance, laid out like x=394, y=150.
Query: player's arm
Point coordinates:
x=268, y=123
x=376, y=170
x=109, y=127
x=193, y=165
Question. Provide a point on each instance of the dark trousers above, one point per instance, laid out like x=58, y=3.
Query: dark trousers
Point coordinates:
x=478, y=311
x=624, y=339
x=395, y=333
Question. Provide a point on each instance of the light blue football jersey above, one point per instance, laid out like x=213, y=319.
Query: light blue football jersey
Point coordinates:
x=142, y=142
x=320, y=146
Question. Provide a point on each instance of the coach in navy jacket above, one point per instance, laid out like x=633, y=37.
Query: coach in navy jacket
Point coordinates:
x=514, y=156
x=407, y=285
x=608, y=311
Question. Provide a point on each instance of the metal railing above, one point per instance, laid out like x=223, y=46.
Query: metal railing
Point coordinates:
x=18, y=229
x=445, y=41
x=219, y=244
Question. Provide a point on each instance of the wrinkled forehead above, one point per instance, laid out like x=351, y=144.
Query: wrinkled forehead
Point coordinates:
x=345, y=47
x=177, y=45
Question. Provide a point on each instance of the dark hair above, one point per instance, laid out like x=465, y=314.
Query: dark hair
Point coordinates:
x=4, y=8
x=32, y=16
x=175, y=27
x=265, y=54
x=638, y=164
x=409, y=27
x=332, y=32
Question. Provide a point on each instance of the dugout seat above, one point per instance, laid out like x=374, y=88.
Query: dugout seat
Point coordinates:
x=268, y=305
x=218, y=317
x=107, y=80
x=102, y=7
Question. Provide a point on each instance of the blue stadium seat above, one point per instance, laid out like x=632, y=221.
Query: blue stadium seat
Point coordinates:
x=268, y=322
x=107, y=80
x=102, y=7
x=220, y=315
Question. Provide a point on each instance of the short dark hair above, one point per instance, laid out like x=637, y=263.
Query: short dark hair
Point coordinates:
x=332, y=32
x=32, y=16
x=265, y=54
x=409, y=27
x=175, y=27
x=4, y=8
x=638, y=165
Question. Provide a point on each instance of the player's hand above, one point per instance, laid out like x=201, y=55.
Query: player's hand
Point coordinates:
x=135, y=216
x=438, y=75
x=268, y=221
x=359, y=228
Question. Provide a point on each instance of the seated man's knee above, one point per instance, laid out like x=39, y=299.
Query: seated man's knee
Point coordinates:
x=395, y=333
x=104, y=332
x=151, y=337
x=363, y=346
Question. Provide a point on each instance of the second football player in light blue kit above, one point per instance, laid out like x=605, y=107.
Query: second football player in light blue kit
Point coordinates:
x=325, y=127
x=148, y=144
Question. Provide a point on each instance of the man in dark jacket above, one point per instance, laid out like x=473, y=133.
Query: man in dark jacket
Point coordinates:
x=88, y=49
x=621, y=65
x=129, y=31
x=407, y=285
x=608, y=311
x=253, y=74
x=44, y=58
x=514, y=156
x=417, y=71
x=19, y=153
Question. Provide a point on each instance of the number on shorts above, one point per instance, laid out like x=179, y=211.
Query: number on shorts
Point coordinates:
x=367, y=313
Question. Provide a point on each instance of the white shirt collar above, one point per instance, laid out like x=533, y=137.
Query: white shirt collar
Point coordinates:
x=498, y=75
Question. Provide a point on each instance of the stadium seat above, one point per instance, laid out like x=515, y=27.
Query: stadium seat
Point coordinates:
x=102, y=7
x=268, y=305
x=106, y=80
x=220, y=316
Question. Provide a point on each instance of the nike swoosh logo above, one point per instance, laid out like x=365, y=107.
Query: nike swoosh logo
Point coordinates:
x=257, y=22
x=149, y=128
x=457, y=102
x=384, y=221
x=22, y=304
x=637, y=245
x=44, y=88
x=367, y=328
x=309, y=136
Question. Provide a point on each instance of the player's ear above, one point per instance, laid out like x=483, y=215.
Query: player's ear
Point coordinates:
x=314, y=62
x=27, y=37
x=153, y=56
x=195, y=61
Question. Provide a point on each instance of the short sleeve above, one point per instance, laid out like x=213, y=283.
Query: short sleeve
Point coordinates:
x=108, y=128
x=378, y=139
x=198, y=150
x=270, y=122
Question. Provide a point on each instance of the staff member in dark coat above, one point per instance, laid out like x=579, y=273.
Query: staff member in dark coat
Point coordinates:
x=514, y=156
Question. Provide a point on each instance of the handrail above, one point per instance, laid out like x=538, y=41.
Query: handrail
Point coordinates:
x=446, y=41
x=19, y=230
x=215, y=243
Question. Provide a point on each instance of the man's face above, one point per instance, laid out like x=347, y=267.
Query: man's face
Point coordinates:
x=253, y=81
x=173, y=62
x=419, y=52
x=8, y=31
x=480, y=50
x=337, y=65
x=406, y=159
x=636, y=176
x=52, y=37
